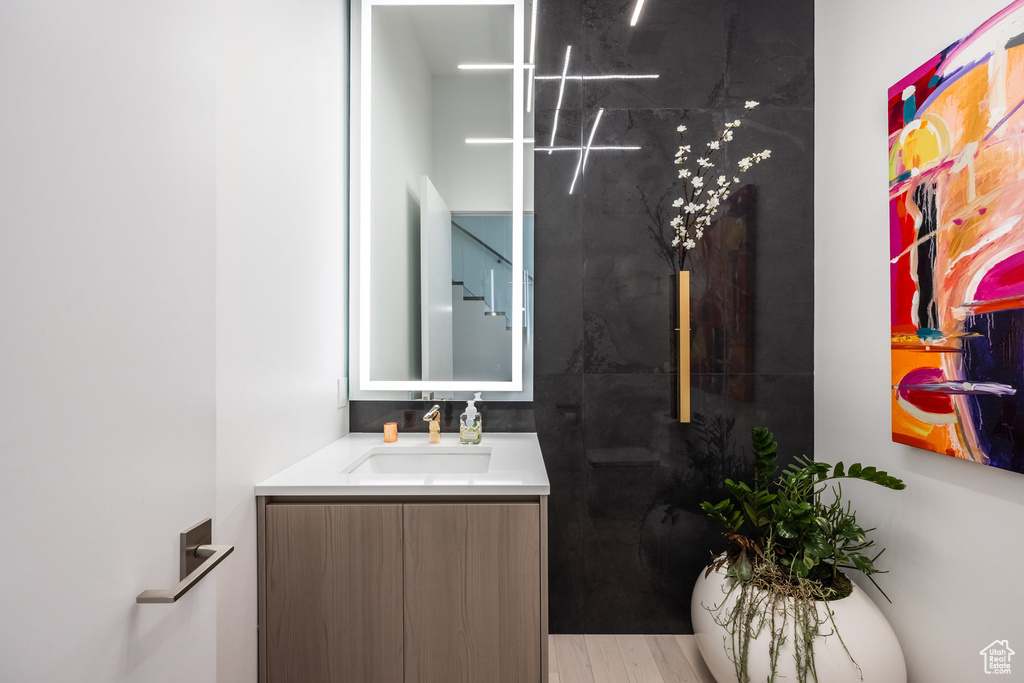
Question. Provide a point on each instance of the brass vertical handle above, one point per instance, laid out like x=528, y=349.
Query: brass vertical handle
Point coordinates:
x=684, y=346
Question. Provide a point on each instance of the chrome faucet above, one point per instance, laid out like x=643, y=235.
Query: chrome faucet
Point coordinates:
x=433, y=416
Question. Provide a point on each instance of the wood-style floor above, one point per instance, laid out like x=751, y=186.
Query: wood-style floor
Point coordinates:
x=626, y=659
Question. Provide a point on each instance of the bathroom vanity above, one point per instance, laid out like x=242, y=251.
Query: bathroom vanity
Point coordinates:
x=410, y=561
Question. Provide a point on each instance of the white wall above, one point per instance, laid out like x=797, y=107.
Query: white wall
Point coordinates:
x=952, y=536
x=107, y=432
x=280, y=271
x=403, y=151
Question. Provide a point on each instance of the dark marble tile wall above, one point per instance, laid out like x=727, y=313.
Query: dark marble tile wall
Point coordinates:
x=627, y=538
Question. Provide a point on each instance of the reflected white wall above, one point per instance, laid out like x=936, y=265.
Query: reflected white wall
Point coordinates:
x=473, y=104
x=402, y=151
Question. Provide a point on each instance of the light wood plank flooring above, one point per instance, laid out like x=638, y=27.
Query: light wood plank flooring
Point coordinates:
x=626, y=659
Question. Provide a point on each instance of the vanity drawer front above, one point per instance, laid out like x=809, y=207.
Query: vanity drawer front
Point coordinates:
x=334, y=593
x=472, y=593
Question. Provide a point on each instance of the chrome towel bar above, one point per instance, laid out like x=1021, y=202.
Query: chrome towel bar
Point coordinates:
x=198, y=558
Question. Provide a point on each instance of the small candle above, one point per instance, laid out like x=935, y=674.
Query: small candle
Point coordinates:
x=390, y=432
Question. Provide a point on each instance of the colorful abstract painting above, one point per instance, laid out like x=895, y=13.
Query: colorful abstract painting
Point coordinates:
x=956, y=214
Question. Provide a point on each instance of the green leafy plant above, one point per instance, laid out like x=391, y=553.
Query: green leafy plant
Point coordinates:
x=789, y=535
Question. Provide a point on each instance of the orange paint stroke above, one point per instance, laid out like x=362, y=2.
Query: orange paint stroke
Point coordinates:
x=906, y=427
x=921, y=348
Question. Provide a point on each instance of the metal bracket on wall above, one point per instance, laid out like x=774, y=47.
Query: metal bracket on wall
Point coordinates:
x=198, y=557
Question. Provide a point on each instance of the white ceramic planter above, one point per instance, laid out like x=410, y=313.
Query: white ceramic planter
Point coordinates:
x=861, y=624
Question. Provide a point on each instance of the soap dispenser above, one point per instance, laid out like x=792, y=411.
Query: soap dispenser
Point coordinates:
x=469, y=422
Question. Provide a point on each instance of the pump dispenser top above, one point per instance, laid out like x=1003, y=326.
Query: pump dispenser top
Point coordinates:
x=469, y=423
x=471, y=406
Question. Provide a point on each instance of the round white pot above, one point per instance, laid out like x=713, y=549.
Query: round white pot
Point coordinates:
x=861, y=624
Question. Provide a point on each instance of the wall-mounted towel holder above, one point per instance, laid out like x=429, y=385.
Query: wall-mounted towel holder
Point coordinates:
x=198, y=558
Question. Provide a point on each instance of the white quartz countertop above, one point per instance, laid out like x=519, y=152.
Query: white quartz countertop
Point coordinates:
x=516, y=468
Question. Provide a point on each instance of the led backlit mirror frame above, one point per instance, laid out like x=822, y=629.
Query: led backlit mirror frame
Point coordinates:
x=360, y=207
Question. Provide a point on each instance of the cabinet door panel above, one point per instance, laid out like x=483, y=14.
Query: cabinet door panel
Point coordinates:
x=472, y=593
x=334, y=593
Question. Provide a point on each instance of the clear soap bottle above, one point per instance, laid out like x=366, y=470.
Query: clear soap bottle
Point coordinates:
x=469, y=422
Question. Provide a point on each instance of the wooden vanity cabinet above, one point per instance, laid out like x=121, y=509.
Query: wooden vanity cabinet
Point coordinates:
x=420, y=592
x=472, y=593
x=333, y=599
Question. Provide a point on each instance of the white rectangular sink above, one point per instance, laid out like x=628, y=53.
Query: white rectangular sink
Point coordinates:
x=430, y=459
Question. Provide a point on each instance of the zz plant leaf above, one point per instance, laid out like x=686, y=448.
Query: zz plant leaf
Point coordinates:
x=783, y=517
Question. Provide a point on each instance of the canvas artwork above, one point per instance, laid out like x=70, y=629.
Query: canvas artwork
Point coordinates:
x=956, y=212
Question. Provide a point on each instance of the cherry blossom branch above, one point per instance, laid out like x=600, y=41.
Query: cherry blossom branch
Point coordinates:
x=695, y=214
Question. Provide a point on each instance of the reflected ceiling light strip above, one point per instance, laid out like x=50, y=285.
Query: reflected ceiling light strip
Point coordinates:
x=581, y=167
x=495, y=141
x=619, y=77
x=607, y=77
x=486, y=67
x=561, y=91
x=600, y=113
x=636, y=12
x=595, y=148
x=577, y=174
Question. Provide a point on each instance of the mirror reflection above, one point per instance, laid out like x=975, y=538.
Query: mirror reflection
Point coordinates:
x=450, y=253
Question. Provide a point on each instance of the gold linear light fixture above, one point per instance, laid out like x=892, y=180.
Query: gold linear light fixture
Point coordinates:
x=684, y=346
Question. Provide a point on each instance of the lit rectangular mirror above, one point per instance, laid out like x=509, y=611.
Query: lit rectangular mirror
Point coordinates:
x=441, y=237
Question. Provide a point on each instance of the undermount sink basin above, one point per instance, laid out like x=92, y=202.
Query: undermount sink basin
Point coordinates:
x=434, y=459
